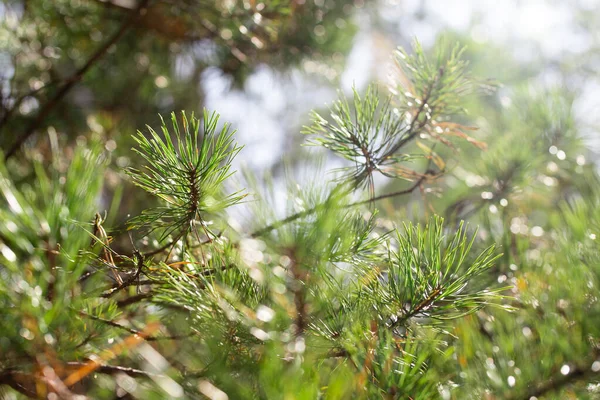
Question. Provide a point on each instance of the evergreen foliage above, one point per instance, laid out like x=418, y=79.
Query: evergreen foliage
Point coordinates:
x=336, y=297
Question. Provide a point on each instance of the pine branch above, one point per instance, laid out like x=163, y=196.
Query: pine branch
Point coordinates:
x=16, y=379
x=76, y=77
x=130, y=330
x=140, y=266
x=115, y=369
x=278, y=224
x=187, y=178
x=580, y=373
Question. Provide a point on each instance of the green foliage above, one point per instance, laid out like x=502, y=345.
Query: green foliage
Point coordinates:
x=319, y=294
x=189, y=178
x=428, y=275
x=42, y=262
x=318, y=299
x=374, y=133
x=364, y=135
x=434, y=87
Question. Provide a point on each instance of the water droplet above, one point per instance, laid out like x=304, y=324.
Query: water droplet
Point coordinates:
x=511, y=381
x=259, y=334
x=300, y=345
x=49, y=339
x=8, y=253
x=552, y=167
x=537, y=231
x=279, y=271
x=264, y=313
x=319, y=30
x=549, y=181
x=26, y=333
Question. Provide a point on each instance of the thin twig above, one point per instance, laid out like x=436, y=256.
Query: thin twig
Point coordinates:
x=174, y=241
x=128, y=282
x=312, y=210
x=558, y=381
x=300, y=277
x=115, y=369
x=393, y=194
x=284, y=221
x=134, y=299
x=130, y=330
x=76, y=77
x=426, y=303
x=21, y=98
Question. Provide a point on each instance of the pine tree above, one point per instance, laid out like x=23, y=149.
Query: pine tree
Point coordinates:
x=299, y=307
x=332, y=297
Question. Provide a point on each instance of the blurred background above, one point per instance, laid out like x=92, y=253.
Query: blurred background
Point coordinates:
x=263, y=66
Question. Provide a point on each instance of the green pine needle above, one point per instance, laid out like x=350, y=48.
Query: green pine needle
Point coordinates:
x=189, y=176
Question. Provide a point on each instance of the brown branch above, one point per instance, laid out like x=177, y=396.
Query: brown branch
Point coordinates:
x=159, y=20
x=310, y=211
x=134, y=299
x=282, y=222
x=115, y=369
x=426, y=303
x=18, y=101
x=130, y=330
x=298, y=289
x=428, y=173
x=19, y=381
x=76, y=77
x=131, y=280
x=174, y=241
x=558, y=381
x=393, y=194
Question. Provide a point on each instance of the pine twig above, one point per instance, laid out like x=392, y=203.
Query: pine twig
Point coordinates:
x=115, y=369
x=131, y=280
x=580, y=372
x=312, y=210
x=130, y=330
x=76, y=77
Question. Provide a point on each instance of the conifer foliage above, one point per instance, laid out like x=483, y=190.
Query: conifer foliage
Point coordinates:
x=331, y=300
